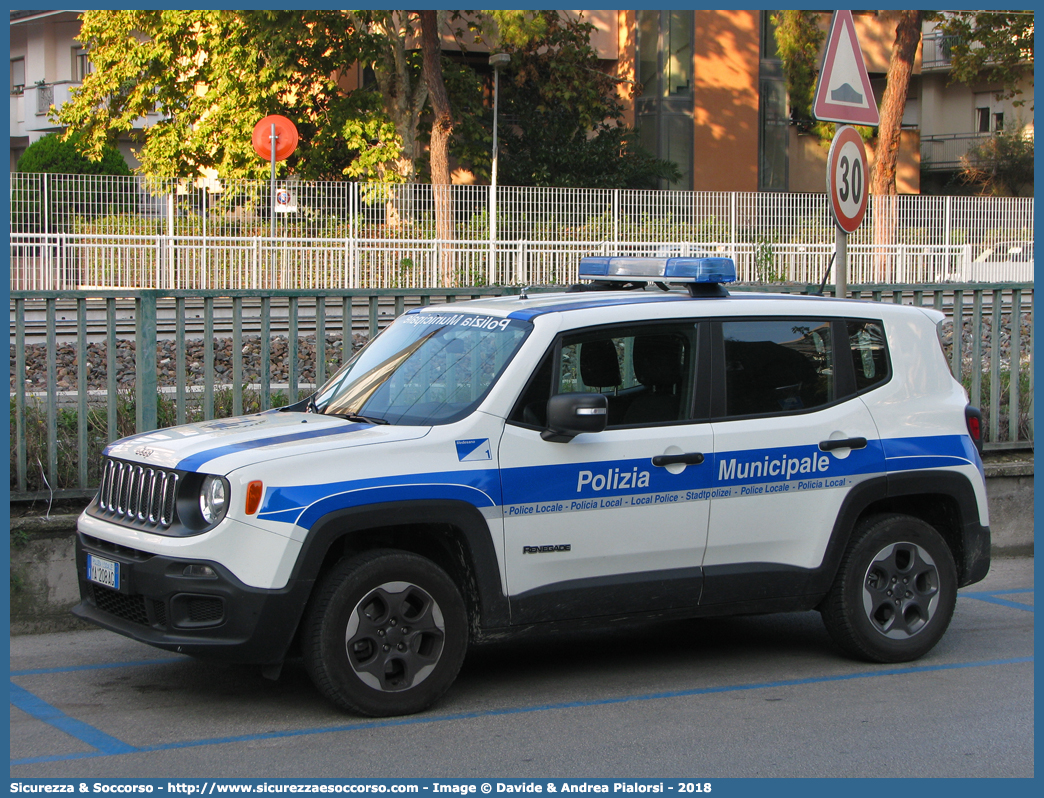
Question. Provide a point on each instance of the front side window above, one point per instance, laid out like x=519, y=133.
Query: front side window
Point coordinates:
x=645, y=371
x=426, y=368
x=777, y=366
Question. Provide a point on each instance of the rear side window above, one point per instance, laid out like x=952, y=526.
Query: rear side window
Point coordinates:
x=777, y=366
x=866, y=340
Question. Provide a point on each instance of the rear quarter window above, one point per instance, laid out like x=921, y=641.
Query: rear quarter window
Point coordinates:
x=869, y=349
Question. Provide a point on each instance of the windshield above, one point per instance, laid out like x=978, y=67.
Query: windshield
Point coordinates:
x=426, y=368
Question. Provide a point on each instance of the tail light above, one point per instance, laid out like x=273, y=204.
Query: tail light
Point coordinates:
x=973, y=417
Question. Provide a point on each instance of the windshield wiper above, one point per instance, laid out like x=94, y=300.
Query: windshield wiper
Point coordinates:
x=358, y=418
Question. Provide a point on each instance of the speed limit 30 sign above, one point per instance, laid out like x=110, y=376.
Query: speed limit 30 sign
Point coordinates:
x=847, y=178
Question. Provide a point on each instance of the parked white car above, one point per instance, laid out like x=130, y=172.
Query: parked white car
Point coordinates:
x=485, y=467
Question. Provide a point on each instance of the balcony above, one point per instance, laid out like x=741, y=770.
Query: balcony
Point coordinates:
x=943, y=153
x=935, y=55
x=32, y=111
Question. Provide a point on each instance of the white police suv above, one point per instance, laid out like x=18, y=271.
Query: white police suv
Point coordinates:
x=615, y=451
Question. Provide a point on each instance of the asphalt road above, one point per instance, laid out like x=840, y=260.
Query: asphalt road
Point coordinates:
x=764, y=696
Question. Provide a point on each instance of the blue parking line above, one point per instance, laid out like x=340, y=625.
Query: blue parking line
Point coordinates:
x=990, y=597
x=418, y=720
x=41, y=710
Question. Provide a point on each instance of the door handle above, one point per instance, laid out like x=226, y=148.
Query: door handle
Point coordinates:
x=843, y=443
x=689, y=458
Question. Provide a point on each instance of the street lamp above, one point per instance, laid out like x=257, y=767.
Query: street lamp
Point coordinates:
x=498, y=61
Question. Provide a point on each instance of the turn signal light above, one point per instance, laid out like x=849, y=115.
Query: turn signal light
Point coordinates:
x=255, y=490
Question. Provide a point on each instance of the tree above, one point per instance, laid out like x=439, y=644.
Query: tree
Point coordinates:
x=1002, y=165
x=57, y=155
x=799, y=39
x=441, y=132
x=563, y=116
x=991, y=47
x=893, y=103
x=210, y=75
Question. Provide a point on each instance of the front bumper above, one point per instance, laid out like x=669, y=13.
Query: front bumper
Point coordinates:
x=214, y=616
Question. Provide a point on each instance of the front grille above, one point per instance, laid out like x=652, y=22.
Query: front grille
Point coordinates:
x=138, y=494
x=205, y=610
x=130, y=608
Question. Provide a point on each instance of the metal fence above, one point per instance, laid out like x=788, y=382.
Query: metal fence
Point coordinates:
x=89, y=367
x=71, y=232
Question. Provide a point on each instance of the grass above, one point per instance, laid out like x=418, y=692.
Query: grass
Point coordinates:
x=66, y=433
x=1025, y=400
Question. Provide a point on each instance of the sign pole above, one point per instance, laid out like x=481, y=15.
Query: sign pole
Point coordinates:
x=844, y=95
x=272, y=223
x=841, y=265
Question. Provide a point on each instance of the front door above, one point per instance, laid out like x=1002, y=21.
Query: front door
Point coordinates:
x=616, y=521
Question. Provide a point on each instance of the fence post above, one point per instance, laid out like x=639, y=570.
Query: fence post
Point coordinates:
x=145, y=385
x=616, y=221
x=733, y=222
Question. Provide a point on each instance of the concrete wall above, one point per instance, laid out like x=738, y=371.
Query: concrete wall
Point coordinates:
x=43, y=571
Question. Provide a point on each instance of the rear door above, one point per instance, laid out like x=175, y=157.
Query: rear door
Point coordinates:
x=792, y=439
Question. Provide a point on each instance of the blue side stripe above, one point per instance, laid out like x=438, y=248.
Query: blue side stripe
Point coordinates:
x=42, y=711
x=193, y=462
x=302, y=504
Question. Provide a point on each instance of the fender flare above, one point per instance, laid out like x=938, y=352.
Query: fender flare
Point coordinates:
x=973, y=554
x=475, y=534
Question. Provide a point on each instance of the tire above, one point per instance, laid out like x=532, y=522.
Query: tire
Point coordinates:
x=866, y=614
x=385, y=634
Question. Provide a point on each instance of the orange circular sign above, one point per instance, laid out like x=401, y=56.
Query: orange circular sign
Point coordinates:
x=286, y=137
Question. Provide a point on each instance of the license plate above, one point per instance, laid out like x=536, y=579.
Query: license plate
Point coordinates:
x=104, y=572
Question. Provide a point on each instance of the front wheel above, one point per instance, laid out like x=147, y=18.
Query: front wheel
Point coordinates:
x=385, y=634
x=894, y=593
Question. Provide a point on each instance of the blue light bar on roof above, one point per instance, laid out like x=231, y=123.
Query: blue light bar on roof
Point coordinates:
x=665, y=270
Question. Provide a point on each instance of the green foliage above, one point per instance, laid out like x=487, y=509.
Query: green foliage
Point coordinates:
x=798, y=41
x=990, y=47
x=64, y=156
x=67, y=432
x=213, y=74
x=1024, y=419
x=1002, y=165
x=765, y=267
x=561, y=116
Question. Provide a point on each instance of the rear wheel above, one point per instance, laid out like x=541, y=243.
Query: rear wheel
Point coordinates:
x=894, y=593
x=385, y=634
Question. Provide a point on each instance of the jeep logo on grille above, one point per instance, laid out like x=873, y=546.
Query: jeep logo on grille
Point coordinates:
x=144, y=452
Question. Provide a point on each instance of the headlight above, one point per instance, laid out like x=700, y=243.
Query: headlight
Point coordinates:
x=213, y=499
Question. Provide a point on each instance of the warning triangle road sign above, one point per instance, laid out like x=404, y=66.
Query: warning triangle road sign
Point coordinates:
x=843, y=92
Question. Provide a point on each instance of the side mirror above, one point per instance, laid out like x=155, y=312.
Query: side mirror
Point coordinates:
x=570, y=414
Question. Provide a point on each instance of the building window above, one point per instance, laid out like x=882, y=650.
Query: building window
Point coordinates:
x=774, y=123
x=81, y=64
x=17, y=75
x=998, y=121
x=982, y=120
x=663, y=112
